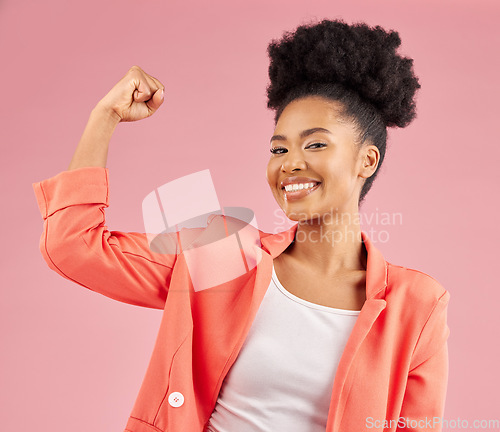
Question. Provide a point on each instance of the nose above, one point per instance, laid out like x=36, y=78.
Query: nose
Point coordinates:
x=292, y=161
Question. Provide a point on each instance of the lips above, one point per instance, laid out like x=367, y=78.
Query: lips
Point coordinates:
x=301, y=193
x=297, y=180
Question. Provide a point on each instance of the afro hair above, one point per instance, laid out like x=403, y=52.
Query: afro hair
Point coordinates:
x=357, y=57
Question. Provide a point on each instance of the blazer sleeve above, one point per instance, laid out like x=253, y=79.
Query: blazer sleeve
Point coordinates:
x=77, y=244
x=425, y=394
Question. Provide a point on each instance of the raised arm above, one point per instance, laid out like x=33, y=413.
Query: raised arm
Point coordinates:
x=75, y=241
x=136, y=96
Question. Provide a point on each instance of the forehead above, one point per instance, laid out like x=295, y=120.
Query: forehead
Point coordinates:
x=310, y=112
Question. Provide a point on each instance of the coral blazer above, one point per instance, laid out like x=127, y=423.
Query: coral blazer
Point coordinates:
x=392, y=375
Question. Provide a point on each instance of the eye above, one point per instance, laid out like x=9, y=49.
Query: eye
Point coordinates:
x=318, y=144
x=275, y=150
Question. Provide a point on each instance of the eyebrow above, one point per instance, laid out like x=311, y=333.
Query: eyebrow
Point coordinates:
x=303, y=134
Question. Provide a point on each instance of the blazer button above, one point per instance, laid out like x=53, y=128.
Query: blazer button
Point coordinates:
x=176, y=399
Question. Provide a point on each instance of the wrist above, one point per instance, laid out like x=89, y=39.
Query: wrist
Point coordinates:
x=106, y=114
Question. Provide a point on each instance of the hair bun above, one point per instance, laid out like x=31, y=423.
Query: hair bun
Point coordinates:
x=359, y=57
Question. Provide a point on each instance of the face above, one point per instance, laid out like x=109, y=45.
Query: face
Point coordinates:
x=313, y=144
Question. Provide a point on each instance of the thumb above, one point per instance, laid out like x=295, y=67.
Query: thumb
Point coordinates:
x=157, y=99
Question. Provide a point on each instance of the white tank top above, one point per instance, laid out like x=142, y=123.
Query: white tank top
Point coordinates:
x=282, y=379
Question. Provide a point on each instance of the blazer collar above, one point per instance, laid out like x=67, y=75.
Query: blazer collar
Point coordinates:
x=376, y=266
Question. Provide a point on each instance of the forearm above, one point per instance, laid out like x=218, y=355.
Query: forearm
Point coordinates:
x=92, y=150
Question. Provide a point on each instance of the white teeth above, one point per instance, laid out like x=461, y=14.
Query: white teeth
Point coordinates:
x=296, y=187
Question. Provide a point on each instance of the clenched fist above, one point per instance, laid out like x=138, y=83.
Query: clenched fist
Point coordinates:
x=136, y=96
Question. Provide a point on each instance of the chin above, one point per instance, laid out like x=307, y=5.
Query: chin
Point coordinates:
x=301, y=217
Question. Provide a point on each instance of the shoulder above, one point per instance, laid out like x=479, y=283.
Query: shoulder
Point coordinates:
x=412, y=282
x=419, y=304
x=416, y=292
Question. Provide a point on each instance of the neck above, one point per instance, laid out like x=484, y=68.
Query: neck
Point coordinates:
x=330, y=246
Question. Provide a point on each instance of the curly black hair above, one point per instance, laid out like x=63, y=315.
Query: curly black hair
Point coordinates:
x=356, y=65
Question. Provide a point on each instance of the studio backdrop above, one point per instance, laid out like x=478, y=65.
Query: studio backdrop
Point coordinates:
x=73, y=360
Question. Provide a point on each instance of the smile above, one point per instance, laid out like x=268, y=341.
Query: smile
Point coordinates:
x=299, y=191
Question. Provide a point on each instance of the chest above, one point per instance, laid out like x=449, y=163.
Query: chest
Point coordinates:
x=346, y=291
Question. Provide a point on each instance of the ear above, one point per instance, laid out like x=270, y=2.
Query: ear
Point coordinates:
x=370, y=157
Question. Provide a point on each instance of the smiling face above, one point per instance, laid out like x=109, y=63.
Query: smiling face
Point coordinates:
x=314, y=144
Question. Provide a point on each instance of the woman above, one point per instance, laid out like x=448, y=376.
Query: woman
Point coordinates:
x=323, y=333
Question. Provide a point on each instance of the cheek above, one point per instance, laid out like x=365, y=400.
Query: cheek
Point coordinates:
x=330, y=168
x=337, y=172
x=271, y=173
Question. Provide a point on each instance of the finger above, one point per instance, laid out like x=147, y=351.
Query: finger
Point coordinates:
x=154, y=103
x=153, y=83
x=143, y=91
x=157, y=82
x=158, y=93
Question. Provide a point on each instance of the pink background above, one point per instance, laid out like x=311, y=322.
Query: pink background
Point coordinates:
x=73, y=360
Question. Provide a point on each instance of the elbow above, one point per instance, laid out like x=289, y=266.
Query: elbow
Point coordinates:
x=60, y=251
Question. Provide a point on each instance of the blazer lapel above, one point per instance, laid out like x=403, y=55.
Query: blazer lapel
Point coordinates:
x=376, y=285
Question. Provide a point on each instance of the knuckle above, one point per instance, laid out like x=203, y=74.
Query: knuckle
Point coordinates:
x=134, y=70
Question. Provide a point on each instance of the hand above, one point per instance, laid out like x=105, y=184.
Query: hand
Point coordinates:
x=136, y=96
